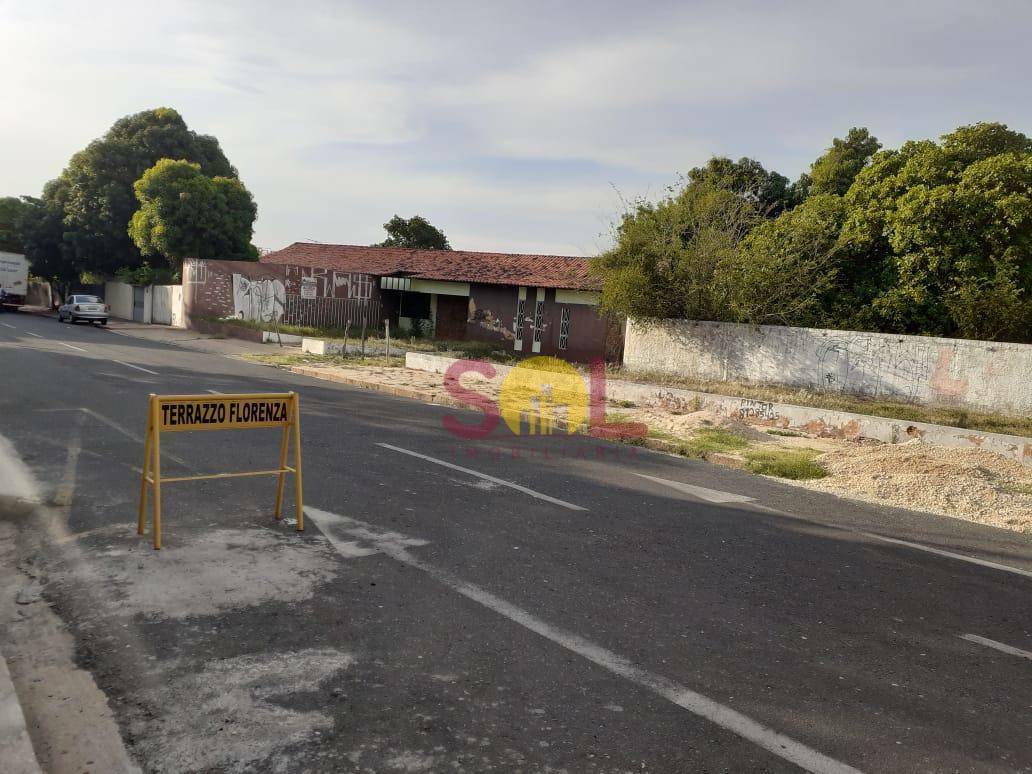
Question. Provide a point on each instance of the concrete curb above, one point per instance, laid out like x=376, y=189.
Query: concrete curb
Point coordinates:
x=16, y=750
x=426, y=396
x=826, y=423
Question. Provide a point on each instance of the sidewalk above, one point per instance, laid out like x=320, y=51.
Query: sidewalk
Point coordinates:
x=16, y=751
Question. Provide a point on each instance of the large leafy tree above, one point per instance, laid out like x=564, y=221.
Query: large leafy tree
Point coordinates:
x=747, y=177
x=415, y=232
x=98, y=195
x=50, y=255
x=945, y=230
x=787, y=271
x=671, y=258
x=835, y=171
x=185, y=213
x=12, y=210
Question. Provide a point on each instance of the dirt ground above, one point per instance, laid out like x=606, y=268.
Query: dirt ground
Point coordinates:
x=970, y=484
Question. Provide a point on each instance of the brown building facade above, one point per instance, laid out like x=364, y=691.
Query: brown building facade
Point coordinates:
x=527, y=304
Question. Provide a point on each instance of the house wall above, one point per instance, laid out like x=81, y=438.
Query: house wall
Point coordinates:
x=918, y=369
x=492, y=313
x=244, y=289
x=267, y=292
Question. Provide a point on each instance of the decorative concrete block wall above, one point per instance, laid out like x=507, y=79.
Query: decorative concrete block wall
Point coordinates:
x=982, y=375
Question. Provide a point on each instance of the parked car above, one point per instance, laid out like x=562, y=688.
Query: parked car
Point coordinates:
x=88, y=308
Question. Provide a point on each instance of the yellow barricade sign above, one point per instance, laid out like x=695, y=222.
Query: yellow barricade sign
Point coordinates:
x=182, y=413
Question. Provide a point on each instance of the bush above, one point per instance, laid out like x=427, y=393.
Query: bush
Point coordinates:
x=796, y=464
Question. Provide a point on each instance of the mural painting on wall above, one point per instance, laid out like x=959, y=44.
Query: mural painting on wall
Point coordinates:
x=258, y=299
x=487, y=320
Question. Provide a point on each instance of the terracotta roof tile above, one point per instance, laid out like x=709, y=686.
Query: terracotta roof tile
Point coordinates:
x=550, y=271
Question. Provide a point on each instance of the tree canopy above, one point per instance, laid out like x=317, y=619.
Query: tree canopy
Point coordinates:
x=95, y=191
x=416, y=231
x=835, y=171
x=932, y=238
x=185, y=213
x=12, y=211
x=770, y=191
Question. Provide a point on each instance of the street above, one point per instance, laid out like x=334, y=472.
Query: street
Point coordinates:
x=516, y=603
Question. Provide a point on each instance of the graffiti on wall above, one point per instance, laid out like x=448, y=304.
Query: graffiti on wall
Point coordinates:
x=258, y=299
x=330, y=283
x=867, y=365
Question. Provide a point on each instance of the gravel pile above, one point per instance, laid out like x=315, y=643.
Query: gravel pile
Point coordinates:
x=968, y=484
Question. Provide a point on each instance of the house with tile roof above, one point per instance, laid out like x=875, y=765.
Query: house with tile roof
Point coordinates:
x=529, y=304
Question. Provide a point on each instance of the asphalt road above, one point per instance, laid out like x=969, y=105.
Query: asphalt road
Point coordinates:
x=515, y=603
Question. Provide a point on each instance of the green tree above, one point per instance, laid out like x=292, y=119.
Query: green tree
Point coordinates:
x=186, y=214
x=100, y=200
x=12, y=210
x=945, y=230
x=787, y=270
x=835, y=171
x=50, y=255
x=671, y=258
x=415, y=232
x=746, y=177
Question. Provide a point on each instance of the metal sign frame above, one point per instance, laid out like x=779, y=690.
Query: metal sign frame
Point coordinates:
x=184, y=413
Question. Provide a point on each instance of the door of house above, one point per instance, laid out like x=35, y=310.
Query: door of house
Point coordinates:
x=139, y=294
x=452, y=312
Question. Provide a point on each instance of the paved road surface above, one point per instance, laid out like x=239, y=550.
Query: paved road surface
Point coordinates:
x=531, y=604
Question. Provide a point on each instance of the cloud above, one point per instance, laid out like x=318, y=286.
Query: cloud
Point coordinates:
x=508, y=124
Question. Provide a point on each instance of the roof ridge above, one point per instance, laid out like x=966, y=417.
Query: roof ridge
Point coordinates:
x=431, y=250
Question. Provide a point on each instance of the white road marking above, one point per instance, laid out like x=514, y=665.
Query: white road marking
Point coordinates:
x=950, y=554
x=710, y=495
x=117, y=427
x=71, y=346
x=8, y=325
x=1008, y=649
x=215, y=392
x=138, y=368
x=30, y=333
x=393, y=544
x=485, y=477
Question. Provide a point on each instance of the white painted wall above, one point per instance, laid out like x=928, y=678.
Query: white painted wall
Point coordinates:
x=918, y=369
x=119, y=297
x=167, y=305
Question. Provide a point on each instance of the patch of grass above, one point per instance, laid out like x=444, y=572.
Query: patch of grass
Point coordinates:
x=940, y=415
x=662, y=435
x=373, y=332
x=785, y=433
x=707, y=440
x=282, y=360
x=796, y=464
x=1019, y=488
x=623, y=403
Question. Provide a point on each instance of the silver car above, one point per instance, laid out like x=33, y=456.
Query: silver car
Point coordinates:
x=88, y=308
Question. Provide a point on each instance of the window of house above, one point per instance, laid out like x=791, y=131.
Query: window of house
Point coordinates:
x=362, y=286
x=517, y=324
x=564, y=328
x=539, y=314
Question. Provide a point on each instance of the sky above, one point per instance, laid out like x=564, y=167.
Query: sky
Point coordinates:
x=514, y=126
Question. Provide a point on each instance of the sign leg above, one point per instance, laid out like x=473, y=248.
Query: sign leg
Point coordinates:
x=156, y=443
x=282, y=464
x=297, y=463
x=141, y=520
